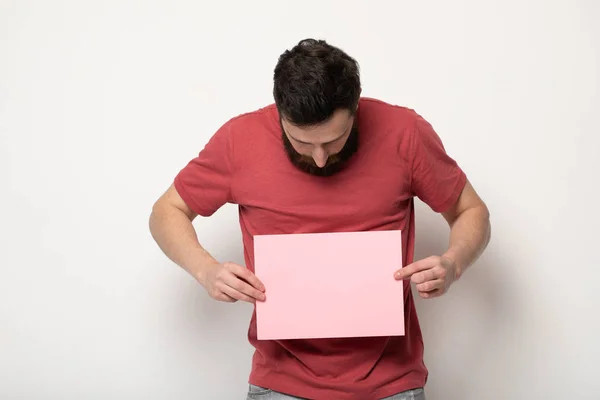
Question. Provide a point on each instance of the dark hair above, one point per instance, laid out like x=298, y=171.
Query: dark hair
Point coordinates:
x=313, y=80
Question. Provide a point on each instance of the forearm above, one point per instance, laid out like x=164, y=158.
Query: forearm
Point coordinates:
x=469, y=236
x=175, y=235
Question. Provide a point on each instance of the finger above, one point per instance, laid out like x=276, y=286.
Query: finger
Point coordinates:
x=409, y=270
x=235, y=294
x=246, y=275
x=430, y=286
x=218, y=294
x=223, y=297
x=238, y=289
x=430, y=295
x=424, y=276
x=243, y=287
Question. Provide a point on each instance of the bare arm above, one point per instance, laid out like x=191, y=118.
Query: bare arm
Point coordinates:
x=469, y=235
x=470, y=229
x=172, y=229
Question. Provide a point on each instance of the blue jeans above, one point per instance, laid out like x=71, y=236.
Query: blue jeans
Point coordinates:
x=259, y=393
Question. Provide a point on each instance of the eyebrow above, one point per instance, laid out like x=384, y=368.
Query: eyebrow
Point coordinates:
x=331, y=141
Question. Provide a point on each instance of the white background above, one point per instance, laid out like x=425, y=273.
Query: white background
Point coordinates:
x=102, y=102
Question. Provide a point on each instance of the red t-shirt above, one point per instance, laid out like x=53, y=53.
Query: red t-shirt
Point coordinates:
x=399, y=157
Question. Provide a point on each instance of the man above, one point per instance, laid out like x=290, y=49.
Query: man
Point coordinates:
x=325, y=159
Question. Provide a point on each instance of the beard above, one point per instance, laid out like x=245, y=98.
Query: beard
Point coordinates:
x=335, y=162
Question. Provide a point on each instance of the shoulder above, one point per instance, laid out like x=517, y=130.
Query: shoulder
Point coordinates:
x=372, y=107
x=250, y=133
x=396, y=121
x=241, y=128
x=262, y=118
x=393, y=124
x=246, y=128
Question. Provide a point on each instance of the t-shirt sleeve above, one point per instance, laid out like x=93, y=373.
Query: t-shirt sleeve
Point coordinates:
x=204, y=183
x=436, y=178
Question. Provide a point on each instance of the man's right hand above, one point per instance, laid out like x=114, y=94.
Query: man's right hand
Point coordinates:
x=230, y=282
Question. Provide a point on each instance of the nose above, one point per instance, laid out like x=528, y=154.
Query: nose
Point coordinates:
x=320, y=156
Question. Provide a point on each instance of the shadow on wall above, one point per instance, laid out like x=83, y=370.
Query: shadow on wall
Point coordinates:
x=203, y=338
x=467, y=328
x=207, y=338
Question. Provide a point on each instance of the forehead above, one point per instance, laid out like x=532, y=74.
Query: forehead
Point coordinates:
x=328, y=131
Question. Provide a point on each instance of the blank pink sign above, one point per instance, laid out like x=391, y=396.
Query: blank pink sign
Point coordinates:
x=329, y=285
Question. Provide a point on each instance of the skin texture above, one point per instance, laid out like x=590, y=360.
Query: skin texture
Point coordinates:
x=172, y=229
x=317, y=147
x=470, y=232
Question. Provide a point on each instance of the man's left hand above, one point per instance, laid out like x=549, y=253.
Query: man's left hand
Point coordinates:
x=432, y=276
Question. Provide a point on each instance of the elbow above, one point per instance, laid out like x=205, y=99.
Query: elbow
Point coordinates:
x=486, y=220
x=152, y=221
x=157, y=210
